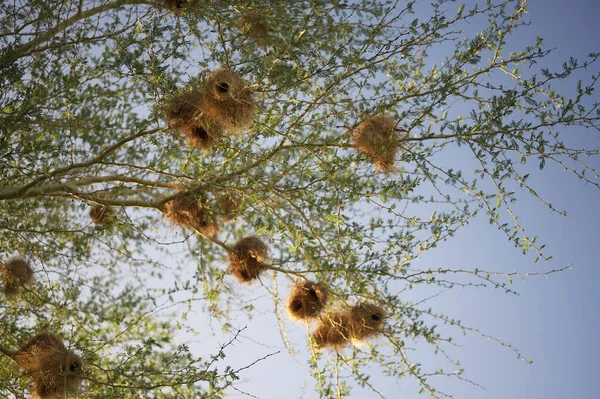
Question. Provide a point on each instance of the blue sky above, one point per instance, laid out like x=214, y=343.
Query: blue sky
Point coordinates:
x=553, y=320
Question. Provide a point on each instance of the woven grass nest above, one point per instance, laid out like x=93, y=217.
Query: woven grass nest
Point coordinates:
x=246, y=260
x=228, y=101
x=333, y=330
x=254, y=25
x=306, y=300
x=378, y=139
x=56, y=371
x=361, y=322
x=16, y=273
x=176, y=5
x=224, y=106
x=102, y=215
x=184, y=114
x=187, y=210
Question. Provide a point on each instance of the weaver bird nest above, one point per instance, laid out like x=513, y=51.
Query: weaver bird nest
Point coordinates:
x=187, y=210
x=56, y=371
x=378, y=139
x=16, y=274
x=246, y=260
x=307, y=300
x=361, y=322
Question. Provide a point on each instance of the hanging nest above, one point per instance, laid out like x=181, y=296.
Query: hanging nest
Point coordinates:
x=186, y=210
x=202, y=133
x=176, y=5
x=377, y=138
x=246, y=260
x=183, y=112
x=56, y=371
x=333, y=330
x=307, y=300
x=228, y=101
x=102, y=215
x=229, y=207
x=367, y=321
x=180, y=109
x=16, y=273
x=255, y=26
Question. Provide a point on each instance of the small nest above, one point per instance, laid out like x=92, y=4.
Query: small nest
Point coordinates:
x=188, y=211
x=56, y=371
x=102, y=215
x=254, y=25
x=183, y=112
x=228, y=101
x=246, y=260
x=367, y=321
x=181, y=108
x=333, y=330
x=307, y=300
x=229, y=206
x=202, y=133
x=378, y=140
x=176, y=5
x=16, y=273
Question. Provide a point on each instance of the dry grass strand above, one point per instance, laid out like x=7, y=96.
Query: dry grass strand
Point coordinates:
x=307, y=300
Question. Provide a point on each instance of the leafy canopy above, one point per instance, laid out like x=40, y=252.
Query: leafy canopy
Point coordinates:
x=82, y=109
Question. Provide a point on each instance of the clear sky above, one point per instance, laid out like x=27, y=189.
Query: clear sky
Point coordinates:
x=554, y=321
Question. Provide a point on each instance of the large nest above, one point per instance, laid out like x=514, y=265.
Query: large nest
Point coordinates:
x=333, y=330
x=228, y=101
x=246, y=260
x=367, y=321
x=361, y=322
x=16, y=273
x=184, y=113
x=186, y=210
x=377, y=138
x=57, y=372
x=307, y=300
x=102, y=215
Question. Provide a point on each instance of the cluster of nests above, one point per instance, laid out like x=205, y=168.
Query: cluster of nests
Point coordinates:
x=334, y=330
x=224, y=106
x=377, y=138
x=16, y=273
x=308, y=299
x=56, y=371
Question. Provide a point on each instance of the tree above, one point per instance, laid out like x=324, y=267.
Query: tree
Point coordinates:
x=95, y=96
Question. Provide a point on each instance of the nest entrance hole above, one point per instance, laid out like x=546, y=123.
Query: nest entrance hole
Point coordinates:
x=200, y=133
x=223, y=87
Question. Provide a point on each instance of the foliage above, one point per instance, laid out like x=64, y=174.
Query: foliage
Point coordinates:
x=82, y=125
